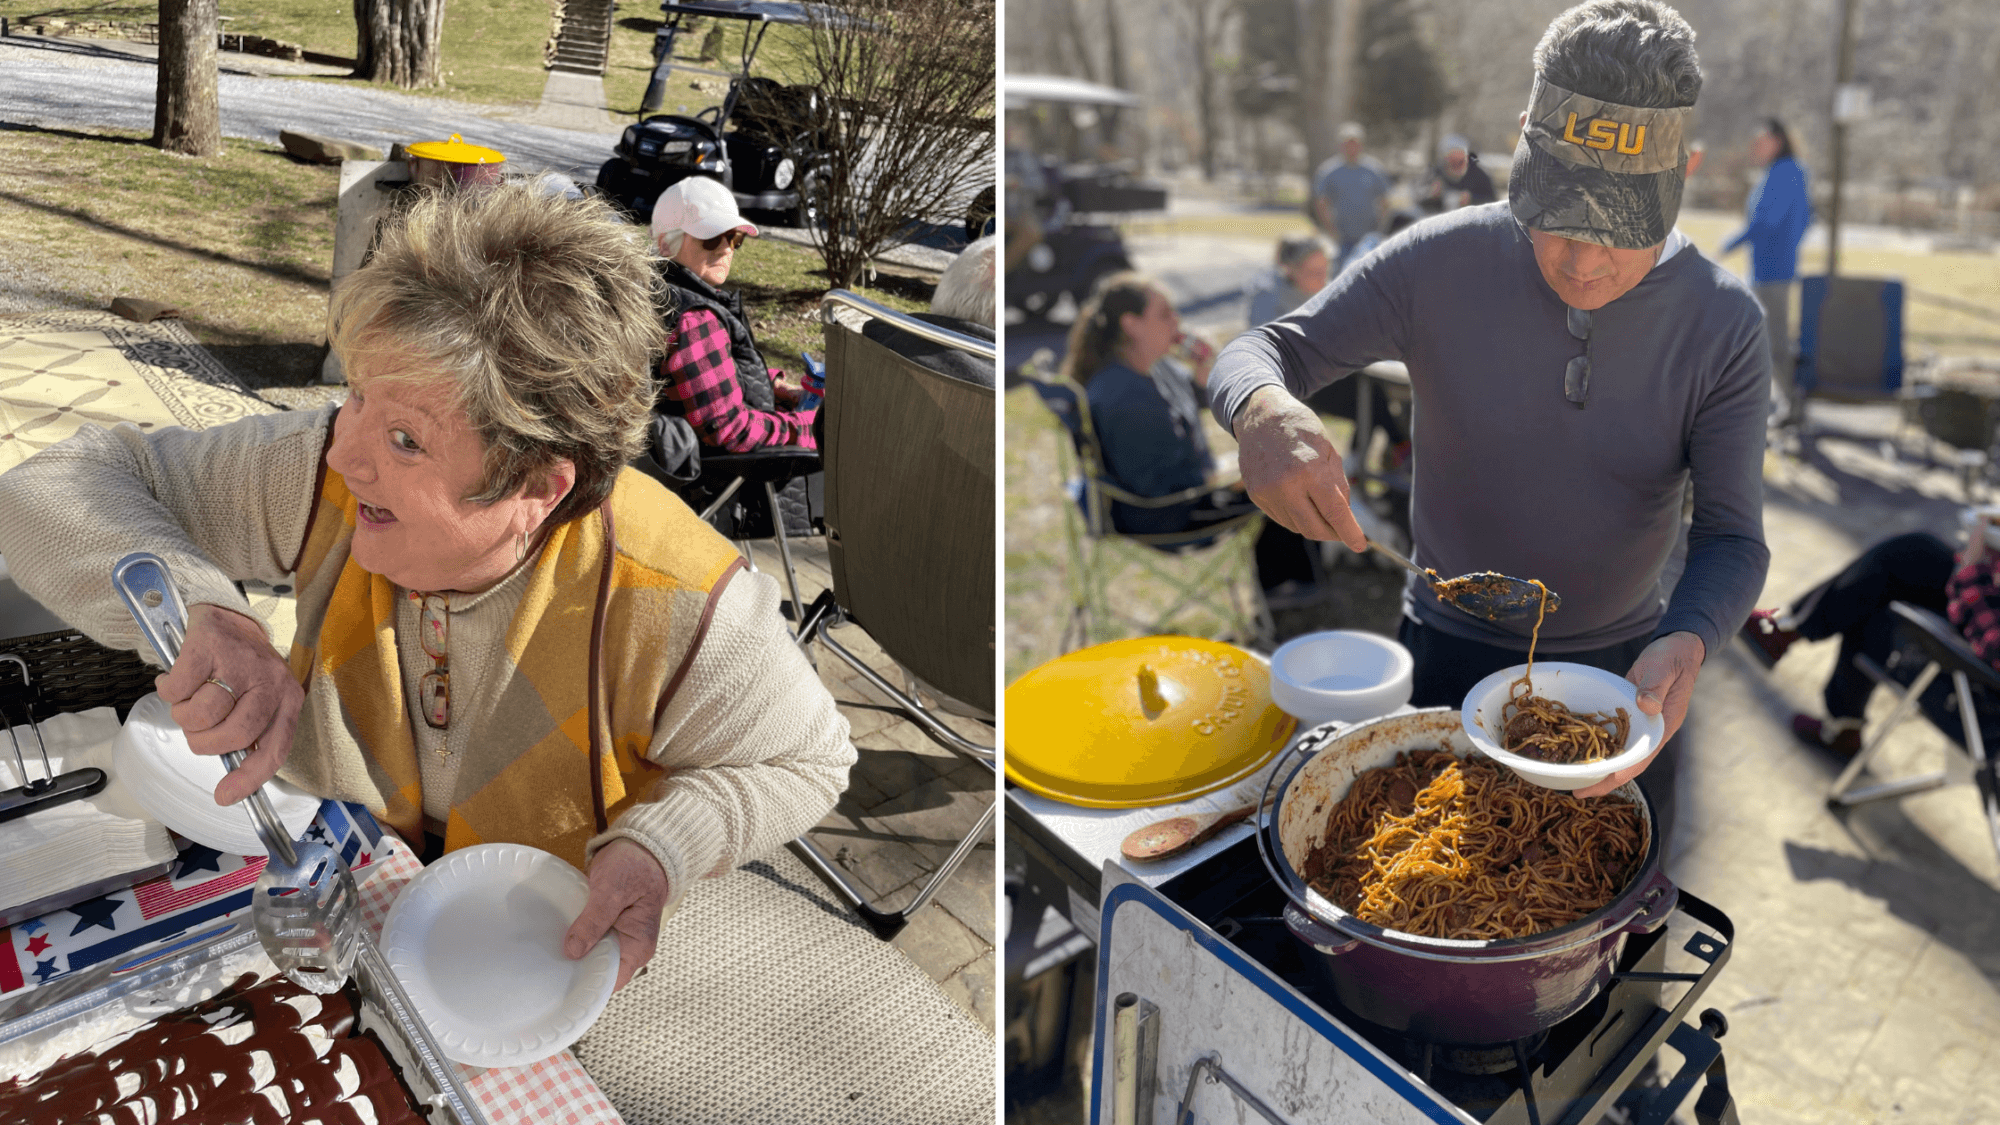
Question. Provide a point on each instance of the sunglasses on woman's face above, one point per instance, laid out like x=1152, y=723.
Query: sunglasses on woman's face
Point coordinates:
x=733, y=237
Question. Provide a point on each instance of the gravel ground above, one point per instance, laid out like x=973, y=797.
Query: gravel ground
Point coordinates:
x=39, y=85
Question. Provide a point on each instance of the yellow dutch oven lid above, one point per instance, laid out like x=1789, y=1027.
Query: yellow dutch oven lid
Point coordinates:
x=455, y=151
x=1147, y=721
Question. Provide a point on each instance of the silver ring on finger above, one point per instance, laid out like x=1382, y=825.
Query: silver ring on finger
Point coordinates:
x=223, y=686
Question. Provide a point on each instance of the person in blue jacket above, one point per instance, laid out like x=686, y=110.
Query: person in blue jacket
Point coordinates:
x=1780, y=210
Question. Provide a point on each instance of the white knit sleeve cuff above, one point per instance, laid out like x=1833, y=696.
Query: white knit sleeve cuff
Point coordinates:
x=684, y=834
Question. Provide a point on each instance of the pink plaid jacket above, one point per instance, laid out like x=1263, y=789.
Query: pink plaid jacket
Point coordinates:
x=1972, y=601
x=700, y=379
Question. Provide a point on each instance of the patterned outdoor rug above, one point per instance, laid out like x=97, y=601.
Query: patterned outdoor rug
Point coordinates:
x=62, y=370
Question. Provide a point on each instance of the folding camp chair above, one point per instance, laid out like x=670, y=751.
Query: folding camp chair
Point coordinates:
x=1850, y=344
x=736, y=492
x=909, y=455
x=1934, y=641
x=1097, y=550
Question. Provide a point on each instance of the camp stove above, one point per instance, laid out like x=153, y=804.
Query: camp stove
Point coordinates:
x=1209, y=1010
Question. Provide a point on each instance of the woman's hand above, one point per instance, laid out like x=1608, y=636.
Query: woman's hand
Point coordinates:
x=1664, y=674
x=1975, y=538
x=786, y=389
x=628, y=889
x=1200, y=355
x=259, y=706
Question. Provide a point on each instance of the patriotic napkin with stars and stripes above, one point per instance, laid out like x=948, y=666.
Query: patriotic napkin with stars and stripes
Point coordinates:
x=205, y=888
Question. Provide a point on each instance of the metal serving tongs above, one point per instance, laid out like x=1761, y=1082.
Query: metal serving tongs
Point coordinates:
x=304, y=907
x=1486, y=594
x=53, y=788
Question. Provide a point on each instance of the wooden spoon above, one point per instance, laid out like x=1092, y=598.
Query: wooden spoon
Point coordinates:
x=1175, y=835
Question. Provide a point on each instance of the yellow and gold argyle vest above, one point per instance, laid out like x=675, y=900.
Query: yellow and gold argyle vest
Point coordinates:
x=606, y=629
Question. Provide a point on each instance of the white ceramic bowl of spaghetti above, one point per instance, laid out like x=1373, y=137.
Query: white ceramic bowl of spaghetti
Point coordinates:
x=1582, y=689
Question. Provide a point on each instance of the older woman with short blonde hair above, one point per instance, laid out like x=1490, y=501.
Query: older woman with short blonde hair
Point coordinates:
x=503, y=634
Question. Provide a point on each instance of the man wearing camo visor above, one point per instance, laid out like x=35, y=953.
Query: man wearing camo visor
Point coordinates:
x=1576, y=365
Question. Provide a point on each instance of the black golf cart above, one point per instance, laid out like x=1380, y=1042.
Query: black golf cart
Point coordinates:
x=1056, y=121
x=764, y=142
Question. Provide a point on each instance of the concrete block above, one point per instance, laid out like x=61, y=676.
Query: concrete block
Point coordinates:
x=325, y=150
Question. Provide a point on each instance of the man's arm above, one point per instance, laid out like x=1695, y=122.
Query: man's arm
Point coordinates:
x=1727, y=559
x=1357, y=319
x=218, y=505
x=1289, y=468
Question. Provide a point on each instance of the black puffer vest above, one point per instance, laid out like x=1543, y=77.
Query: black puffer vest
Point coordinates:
x=800, y=499
x=691, y=292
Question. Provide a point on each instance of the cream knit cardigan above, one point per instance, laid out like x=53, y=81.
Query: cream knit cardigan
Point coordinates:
x=751, y=739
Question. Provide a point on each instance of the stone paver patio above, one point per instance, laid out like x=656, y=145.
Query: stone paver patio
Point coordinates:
x=1865, y=984
x=909, y=801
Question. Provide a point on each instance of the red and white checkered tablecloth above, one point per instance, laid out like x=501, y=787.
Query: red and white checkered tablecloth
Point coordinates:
x=555, y=1091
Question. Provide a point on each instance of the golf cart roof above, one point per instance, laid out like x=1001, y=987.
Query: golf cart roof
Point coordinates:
x=1025, y=89
x=762, y=11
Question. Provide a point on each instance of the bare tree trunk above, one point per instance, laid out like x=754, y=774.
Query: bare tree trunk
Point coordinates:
x=1076, y=40
x=1327, y=57
x=399, y=41
x=187, y=115
x=1114, y=46
x=1206, y=25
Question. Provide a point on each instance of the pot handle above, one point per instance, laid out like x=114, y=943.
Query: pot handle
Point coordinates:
x=1316, y=933
x=1656, y=901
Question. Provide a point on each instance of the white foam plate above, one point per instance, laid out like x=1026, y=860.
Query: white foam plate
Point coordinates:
x=1579, y=687
x=476, y=940
x=177, y=786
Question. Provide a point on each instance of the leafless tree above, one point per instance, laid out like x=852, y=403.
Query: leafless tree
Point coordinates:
x=1205, y=21
x=399, y=41
x=187, y=116
x=1330, y=43
x=909, y=134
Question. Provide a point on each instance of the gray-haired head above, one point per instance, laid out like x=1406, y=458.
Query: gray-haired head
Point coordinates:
x=1633, y=52
x=1297, y=248
x=1602, y=157
x=965, y=289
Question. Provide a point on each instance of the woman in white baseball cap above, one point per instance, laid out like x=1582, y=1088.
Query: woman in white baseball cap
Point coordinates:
x=713, y=373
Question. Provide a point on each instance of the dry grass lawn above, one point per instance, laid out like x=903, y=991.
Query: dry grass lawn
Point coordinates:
x=242, y=243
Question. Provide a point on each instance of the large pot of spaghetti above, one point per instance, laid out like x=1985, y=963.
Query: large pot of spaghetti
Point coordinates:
x=1454, y=990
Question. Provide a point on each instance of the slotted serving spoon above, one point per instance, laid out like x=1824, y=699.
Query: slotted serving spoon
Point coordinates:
x=1487, y=594
x=304, y=905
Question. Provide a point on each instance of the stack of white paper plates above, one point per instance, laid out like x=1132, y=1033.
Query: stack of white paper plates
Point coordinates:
x=177, y=785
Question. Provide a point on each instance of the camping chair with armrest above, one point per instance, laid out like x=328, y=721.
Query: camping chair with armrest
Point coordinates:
x=736, y=492
x=909, y=453
x=1850, y=345
x=1935, y=641
x=1097, y=549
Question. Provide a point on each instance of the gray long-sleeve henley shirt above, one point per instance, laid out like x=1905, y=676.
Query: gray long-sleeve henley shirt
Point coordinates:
x=1509, y=475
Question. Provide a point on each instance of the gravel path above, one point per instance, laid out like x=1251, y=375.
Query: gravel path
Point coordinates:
x=53, y=84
